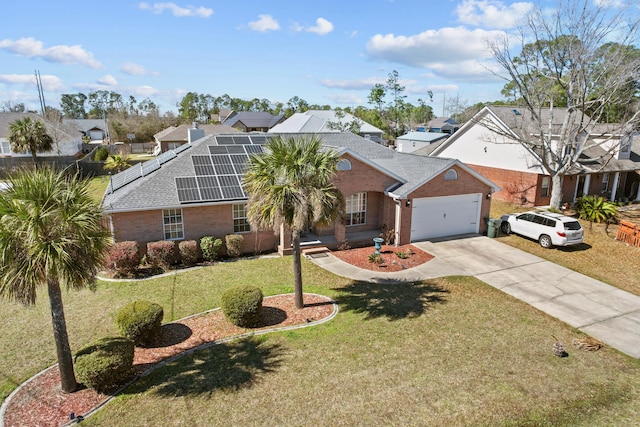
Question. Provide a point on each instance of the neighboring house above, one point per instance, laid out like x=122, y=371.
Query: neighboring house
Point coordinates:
x=175, y=136
x=196, y=190
x=253, y=121
x=609, y=170
x=95, y=129
x=443, y=125
x=222, y=115
x=414, y=141
x=66, y=141
x=318, y=121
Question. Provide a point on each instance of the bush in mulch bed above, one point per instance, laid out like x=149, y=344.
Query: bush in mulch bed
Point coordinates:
x=105, y=364
x=242, y=305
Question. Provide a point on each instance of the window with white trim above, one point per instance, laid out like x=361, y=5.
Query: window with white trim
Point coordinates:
x=544, y=187
x=240, y=220
x=172, y=223
x=451, y=175
x=356, y=209
x=605, y=182
x=343, y=165
x=5, y=148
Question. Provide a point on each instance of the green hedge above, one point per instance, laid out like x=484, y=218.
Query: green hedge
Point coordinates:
x=141, y=321
x=242, y=305
x=105, y=364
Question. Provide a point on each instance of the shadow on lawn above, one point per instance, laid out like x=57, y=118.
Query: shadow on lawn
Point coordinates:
x=226, y=366
x=391, y=299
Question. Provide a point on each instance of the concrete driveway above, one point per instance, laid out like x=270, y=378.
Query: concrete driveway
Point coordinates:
x=600, y=310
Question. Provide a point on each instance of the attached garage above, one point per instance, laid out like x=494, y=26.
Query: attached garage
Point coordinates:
x=433, y=217
x=96, y=134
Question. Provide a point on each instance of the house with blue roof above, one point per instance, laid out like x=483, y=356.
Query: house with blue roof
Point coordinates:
x=197, y=190
x=414, y=141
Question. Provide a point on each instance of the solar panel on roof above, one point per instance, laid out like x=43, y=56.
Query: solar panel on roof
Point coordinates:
x=258, y=139
x=150, y=166
x=216, y=149
x=187, y=189
x=235, y=149
x=239, y=162
x=224, y=140
x=231, y=188
x=166, y=156
x=181, y=148
x=243, y=140
x=222, y=165
x=209, y=188
x=125, y=177
x=254, y=149
x=202, y=165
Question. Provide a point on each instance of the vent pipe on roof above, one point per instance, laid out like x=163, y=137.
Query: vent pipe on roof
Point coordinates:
x=194, y=125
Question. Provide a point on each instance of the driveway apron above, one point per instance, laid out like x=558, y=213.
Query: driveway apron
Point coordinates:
x=597, y=309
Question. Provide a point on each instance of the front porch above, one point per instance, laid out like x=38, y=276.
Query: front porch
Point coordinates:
x=354, y=240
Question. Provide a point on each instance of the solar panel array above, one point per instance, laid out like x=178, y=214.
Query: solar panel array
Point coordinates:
x=143, y=169
x=218, y=175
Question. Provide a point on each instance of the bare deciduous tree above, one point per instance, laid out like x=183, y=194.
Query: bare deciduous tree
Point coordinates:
x=576, y=65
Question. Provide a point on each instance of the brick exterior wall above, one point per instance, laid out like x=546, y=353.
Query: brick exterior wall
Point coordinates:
x=465, y=184
x=515, y=187
x=199, y=221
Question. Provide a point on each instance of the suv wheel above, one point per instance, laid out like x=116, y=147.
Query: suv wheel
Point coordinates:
x=545, y=241
x=505, y=227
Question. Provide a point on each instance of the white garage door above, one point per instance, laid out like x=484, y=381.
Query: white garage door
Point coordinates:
x=433, y=217
x=96, y=135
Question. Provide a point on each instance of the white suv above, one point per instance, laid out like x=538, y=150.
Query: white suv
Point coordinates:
x=549, y=229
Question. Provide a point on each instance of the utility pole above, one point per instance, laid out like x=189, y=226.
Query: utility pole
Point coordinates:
x=43, y=107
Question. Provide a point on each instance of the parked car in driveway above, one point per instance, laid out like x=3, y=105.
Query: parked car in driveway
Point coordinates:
x=548, y=228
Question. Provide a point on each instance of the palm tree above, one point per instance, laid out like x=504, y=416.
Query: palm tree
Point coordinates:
x=27, y=135
x=117, y=162
x=51, y=233
x=292, y=184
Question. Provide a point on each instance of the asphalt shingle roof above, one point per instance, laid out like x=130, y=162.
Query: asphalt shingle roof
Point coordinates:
x=157, y=189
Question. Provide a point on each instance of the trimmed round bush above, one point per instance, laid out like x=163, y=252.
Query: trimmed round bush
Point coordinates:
x=242, y=305
x=162, y=253
x=124, y=257
x=140, y=321
x=210, y=247
x=188, y=252
x=105, y=364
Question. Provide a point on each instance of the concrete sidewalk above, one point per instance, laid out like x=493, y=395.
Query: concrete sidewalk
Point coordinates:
x=600, y=310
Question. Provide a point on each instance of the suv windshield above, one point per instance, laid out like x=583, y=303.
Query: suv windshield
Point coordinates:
x=572, y=225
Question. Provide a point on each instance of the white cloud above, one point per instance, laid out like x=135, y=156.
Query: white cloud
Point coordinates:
x=609, y=3
x=358, y=84
x=264, y=23
x=107, y=80
x=135, y=69
x=49, y=82
x=178, y=11
x=492, y=13
x=345, y=98
x=443, y=52
x=321, y=28
x=62, y=54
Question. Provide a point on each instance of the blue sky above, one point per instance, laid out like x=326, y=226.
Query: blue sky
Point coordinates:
x=326, y=52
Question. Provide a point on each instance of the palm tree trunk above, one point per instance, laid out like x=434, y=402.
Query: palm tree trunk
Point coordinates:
x=297, y=269
x=63, y=350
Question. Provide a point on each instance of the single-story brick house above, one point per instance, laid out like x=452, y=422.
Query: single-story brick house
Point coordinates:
x=609, y=167
x=196, y=190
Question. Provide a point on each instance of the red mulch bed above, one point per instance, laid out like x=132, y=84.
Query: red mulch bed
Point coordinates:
x=391, y=262
x=42, y=403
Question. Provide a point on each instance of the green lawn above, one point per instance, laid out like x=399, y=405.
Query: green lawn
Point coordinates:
x=451, y=351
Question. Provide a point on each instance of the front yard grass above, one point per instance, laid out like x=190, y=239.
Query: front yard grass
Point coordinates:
x=449, y=351
x=600, y=256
